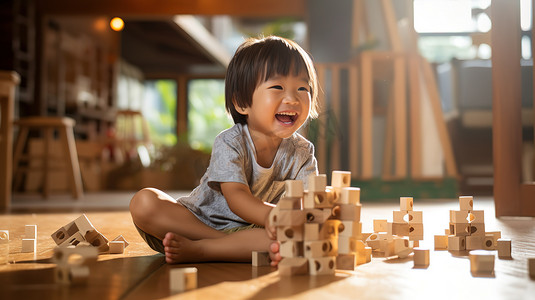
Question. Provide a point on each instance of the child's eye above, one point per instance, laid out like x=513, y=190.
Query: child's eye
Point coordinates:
x=303, y=89
x=277, y=87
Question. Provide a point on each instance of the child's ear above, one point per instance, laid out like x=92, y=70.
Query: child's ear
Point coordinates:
x=241, y=110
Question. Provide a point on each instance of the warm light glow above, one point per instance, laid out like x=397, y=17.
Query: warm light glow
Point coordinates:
x=117, y=24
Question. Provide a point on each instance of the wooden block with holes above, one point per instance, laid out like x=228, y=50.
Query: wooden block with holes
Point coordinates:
x=490, y=242
x=340, y=179
x=400, y=229
x=421, y=257
x=460, y=229
x=481, y=261
x=322, y=265
x=416, y=231
x=291, y=249
x=456, y=243
x=477, y=229
x=291, y=266
x=286, y=203
x=329, y=229
x=346, y=261
x=350, y=195
x=73, y=240
x=466, y=203
x=288, y=217
x=96, y=239
x=477, y=216
x=77, y=272
x=459, y=216
x=182, y=279
x=317, y=248
x=116, y=247
x=318, y=200
x=401, y=247
x=350, y=212
x=350, y=229
x=400, y=216
x=415, y=217
x=474, y=242
x=293, y=188
x=441, y=242
x=290, y=233
x=406, y=203
x=317, y=183
x=316, y=215
x=260, y=259
x=504, y=248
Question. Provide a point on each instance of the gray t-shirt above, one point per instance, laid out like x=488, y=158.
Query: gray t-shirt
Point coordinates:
x=234, y=160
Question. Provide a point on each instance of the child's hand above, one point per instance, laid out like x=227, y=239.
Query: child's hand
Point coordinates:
x=271, y=230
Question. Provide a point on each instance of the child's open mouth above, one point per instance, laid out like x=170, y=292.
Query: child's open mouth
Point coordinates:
x=286, y=117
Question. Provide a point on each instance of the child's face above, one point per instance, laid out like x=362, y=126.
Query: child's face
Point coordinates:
x=280, y=105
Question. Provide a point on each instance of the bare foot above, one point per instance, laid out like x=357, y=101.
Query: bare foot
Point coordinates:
x=274, y=253
x=179, y=249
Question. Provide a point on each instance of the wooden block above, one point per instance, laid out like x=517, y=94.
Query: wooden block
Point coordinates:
x=497, y=234
x=121, y=238
x=401, y=229
x=64, y=233
x=4, y=246
x=456, y=243
x=347, y=245
x=316, y=215
x=415, y=217
x=460, y=229
x=286, y=203
x=83, y=224
x=291, y=249
x=73, y=240
x=477, y=229
x=421, y=257
x=466, y=203
x=477, y=216
x=4, y=236
x=333, y=247
x=441, y=242
x=459, y=216
x=322, y=265
x=405, y=203
x=340, y=179
x=182, y=279
x=329, y=229
x=364, y=256
x=260, y=259
x=116, y=247
x=481, y=261
x=504, y=248
x=28, y=245
x=291, y=266
x=474, y=242
x=317, y=183
x=30, y=231
x=380, y=225
x=318, y=200
x=350, y=195
x=346, y=261
x=288, y=217
x=401, y=247
x=400, y=216
x=311, y=232
x=96, y=239
x=350, y=229
x=317, y=248
x=290, y=233
x=531, y=267
x=350, y=212
x=447, y=231
x=490, y=242
x=293, y=188
x=416, y=231
x=416, y=243
x=84, y=255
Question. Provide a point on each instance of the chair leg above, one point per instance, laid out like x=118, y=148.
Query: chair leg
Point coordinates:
x=17, y=153
x=69, y=147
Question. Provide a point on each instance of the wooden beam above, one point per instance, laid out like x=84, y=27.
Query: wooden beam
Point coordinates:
x=140, y=8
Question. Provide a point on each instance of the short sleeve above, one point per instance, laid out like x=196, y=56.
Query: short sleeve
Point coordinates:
x=227, y=163
x=309, y=166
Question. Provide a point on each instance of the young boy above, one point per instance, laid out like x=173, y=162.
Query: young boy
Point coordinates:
x=271, y=90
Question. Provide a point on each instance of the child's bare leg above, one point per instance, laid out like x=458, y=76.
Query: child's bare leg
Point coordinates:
x=157, y=213
x=235, y=247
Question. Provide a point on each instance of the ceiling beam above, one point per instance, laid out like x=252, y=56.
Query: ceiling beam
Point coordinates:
x=143, y=8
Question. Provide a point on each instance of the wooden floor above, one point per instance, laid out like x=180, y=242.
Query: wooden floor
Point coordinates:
x=140, y=273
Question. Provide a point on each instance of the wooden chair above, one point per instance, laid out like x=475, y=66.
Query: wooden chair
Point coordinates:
x=48, y=125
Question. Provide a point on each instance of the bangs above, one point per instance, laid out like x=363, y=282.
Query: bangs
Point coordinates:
x=282, y=59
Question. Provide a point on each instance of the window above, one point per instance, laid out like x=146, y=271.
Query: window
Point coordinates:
x=159, y=109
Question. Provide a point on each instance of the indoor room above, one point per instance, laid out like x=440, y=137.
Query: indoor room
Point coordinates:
x=399, y=160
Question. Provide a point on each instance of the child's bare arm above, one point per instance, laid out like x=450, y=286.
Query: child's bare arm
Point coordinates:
x=244, y=204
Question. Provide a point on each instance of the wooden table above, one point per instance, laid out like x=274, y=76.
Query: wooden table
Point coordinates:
x=8, y=82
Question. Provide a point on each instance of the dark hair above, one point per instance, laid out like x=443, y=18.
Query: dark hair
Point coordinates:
x=260, y=59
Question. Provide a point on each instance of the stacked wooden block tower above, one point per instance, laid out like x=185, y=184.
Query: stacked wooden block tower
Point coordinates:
x=400, y=236
x=323, y=235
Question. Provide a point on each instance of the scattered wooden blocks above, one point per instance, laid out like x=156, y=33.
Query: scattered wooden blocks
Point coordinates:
x=531, y=267
x=182, y=279
x=73, y=271
x=30, y=231
x=504, y=248
x=261, y=259
x=322, y=265
x=116, y=247
x=28, y=245
x=481, y=261
x=4, y=246
x=421, y=257
x=121, y=238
